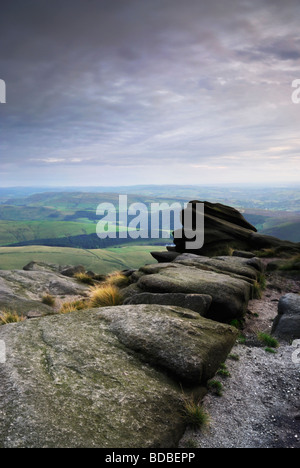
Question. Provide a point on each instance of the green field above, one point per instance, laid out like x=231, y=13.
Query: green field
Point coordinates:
x=12, y=232
x=101, y=261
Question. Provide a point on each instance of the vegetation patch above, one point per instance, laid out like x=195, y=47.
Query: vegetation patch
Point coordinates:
x=105, y=296
x=268, y=340
x=84, y=278
x=48, y=300
x=223, y=371
x=216, y=387
x=290, y=265
x=117, y=279
x=69, y=307
x=7, y=316
x=194, y=414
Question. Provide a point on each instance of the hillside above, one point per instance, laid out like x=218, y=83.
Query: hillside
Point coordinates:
x=102, y=261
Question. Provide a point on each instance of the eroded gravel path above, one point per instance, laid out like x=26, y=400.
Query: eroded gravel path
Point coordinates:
x=260, y=406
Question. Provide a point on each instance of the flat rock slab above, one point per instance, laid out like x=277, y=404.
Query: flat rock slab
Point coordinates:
x=243, y=267
x=230, y=295
x=22, y=290
x=199, y=303
x=172, y=338
x=69, y=382
x=105, y=378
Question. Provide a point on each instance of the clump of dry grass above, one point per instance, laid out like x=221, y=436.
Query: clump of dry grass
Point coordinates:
x=194, y=414
x=84, y=278
x=105, y=296
x=73, y=306
x=7, y=316
x=117, y=279
x=48, y=300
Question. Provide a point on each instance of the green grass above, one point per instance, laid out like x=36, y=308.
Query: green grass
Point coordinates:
x=223, y=371
x=236, y=324
x=291, y=264
x=194, y=414
x=268, y=340
x=12, y=232
x=270, y=350
x=234, y=357
x=216, y=387
x=101, y=261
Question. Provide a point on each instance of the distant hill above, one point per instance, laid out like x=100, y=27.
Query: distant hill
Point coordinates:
x=102, y=261
x=68, y=218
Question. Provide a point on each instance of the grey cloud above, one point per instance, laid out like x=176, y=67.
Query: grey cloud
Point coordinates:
x=142, y=82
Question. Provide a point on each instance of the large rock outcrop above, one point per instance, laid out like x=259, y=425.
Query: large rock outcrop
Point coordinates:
x=224, y=228
x=22, y=290
x=229, y=281
x=105, y=378
x=287, y=323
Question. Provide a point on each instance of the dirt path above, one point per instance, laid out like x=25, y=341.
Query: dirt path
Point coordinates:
x=260, y=406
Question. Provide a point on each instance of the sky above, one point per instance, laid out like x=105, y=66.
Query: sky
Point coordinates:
x=126, y=92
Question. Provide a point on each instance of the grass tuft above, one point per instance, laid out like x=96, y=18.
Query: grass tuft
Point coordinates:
x=270, y=350
x=194, y=414
x=256, y=290
x=48, y=300
x=84, y=278
x=69, y=307
x=117, y=279
x=268, y=340
x=105, y=296
x=7, y=316
x=234, y=357
x=223, y=371
x=216, y=387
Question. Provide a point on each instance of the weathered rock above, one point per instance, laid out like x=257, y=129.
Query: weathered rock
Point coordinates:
x=224, y=228
x=131, y=290
x=72, y=270
x=199, y=303
x=289, y=304
x=40, y=266
x=129, y=272
x=230, y=295
x=175, y=339
x=287, y=323
x=22, y=290
x=70, y=382
x=243, y=267
x=243, y=254
x=164, y=256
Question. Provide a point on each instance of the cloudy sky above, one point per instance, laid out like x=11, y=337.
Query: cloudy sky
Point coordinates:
x=122, y=92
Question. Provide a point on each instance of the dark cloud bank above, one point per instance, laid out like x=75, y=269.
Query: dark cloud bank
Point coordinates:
x=115, y=92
